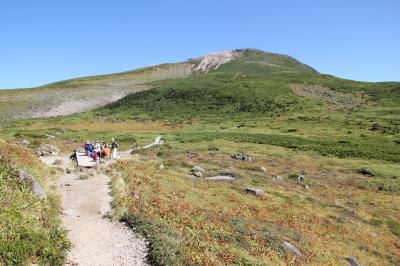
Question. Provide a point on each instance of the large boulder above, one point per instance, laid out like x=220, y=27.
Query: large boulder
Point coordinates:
x=36, y=187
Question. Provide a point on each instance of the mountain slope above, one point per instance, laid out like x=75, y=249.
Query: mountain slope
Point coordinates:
x=83, y=94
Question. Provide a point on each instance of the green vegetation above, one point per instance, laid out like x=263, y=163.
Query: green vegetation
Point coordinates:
x=30, y=230
x=343, y=136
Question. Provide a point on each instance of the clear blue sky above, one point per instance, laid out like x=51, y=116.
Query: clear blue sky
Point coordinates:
x=43, y=41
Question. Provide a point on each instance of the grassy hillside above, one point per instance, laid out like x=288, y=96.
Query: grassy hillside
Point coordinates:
x=342, y=136
x=30, y=230
x=82, y=94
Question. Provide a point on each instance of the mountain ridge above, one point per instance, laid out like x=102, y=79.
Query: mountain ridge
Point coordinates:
x=87, y=93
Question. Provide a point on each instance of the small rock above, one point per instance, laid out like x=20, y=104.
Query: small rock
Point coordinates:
x=24, y=142
x=197, y=168
x=220, y=178
x=197, y=174
x=263, y=169
x=352, y=261
x=255, y=191
x=161, y=166
x=135, y=145
x=67, y=184
x=191, y=154
x=50, y=136
x=293, y=249
x=243, y=157
x=68, y=170
x=307, y=187
x=353, y=213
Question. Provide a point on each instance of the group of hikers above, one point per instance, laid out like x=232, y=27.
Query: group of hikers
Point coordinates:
x=97, y=151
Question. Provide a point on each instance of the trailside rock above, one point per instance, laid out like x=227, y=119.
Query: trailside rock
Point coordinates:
x=47, y=150
x=352, y=261
x=293, y=249
x=36, y=187
x=255, y=191
x=161, y=166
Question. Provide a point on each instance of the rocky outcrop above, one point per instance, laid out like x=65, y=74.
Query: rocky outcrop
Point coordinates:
x=36, y=187
x=215, y=60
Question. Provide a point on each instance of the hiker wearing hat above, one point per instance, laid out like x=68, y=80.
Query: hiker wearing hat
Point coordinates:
x=114, y=148
x=97, y=147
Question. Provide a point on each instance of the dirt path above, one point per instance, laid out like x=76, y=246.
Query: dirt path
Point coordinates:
x=96, y=239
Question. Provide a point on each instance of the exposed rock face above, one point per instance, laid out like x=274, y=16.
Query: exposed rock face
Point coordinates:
x=36, y=187
x=215, y=60
x=325, y=94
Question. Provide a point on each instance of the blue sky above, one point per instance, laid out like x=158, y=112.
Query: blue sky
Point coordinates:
x=44, y=41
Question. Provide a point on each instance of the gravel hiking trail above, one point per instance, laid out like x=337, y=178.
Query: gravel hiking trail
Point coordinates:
x=96, y=238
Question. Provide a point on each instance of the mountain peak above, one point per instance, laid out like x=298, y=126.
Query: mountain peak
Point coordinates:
x=215, y=59
x=279, y=62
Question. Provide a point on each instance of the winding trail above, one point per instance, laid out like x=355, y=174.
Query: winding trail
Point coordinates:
x=96, y=238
